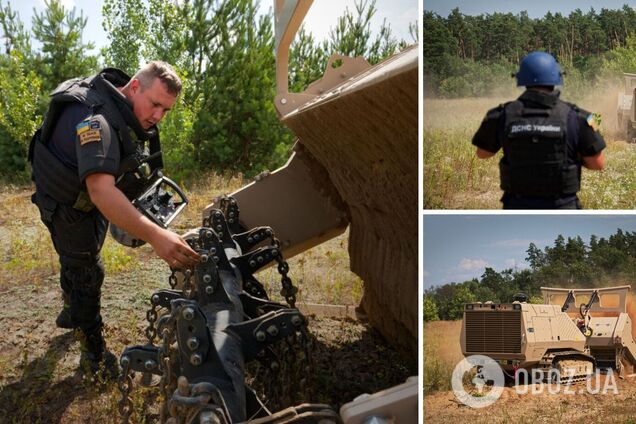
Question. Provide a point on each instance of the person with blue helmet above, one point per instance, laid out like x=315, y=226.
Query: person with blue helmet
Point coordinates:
x=545, y=141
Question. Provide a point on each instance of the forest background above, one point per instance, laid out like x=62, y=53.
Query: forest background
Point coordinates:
x=476, y=55
x=223, y=50
x=571, y=262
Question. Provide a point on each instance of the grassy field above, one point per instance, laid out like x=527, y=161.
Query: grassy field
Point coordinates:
x=39, y=378
x=455, y=179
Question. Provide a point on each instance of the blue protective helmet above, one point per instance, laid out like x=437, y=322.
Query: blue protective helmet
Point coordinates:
x=539, y=68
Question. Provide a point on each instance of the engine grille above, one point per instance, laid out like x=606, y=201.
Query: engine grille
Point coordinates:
x=493, y=331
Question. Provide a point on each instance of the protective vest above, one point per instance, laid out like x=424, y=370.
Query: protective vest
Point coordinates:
x=535, y=145
x=99, y=94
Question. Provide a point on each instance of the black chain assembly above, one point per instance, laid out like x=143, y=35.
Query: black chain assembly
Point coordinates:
x=216, y=317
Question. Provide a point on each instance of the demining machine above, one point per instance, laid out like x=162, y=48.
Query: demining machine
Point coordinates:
x=626, y=108
x=354, y=166
x=574, y=332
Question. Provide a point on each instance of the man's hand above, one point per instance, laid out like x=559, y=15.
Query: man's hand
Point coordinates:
x=173, y=249
x=112, y=203
x=484, y=154
x=596, y=162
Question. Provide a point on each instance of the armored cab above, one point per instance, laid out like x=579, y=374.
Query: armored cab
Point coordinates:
x=607, y=324
x=575, y=331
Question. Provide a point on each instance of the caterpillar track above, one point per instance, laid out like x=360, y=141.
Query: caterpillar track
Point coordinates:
x=567, y=367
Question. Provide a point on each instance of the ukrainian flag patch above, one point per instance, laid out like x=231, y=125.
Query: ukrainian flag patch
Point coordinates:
x=592, y=122
x=82, y=127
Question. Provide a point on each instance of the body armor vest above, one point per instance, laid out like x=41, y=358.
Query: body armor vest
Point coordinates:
x=100, y=95
x=535, y=145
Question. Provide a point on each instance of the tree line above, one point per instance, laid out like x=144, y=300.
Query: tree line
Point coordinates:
x=567, y=263
x=223, y=50
x=456, y=47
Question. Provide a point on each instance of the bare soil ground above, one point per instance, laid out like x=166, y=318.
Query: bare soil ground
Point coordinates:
x=39, y=378
x=442, y=352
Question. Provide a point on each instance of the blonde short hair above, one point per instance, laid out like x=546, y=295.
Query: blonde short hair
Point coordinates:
x=162, y=70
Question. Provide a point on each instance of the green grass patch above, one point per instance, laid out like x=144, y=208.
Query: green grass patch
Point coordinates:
x=453, y=175
x=118, y=258
x=27, y=256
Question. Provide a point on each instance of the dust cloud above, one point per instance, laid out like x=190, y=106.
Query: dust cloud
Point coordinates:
x=468, y=112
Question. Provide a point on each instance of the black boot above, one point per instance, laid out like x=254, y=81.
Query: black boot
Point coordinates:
x=64, y=319
x=96, y=362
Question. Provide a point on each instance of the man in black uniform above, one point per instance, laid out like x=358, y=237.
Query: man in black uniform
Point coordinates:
x=93, y=125
x=545, y=141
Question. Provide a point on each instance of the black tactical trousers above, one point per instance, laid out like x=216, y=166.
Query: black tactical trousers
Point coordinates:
x=78, y=238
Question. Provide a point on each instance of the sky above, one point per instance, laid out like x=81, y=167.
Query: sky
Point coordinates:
x=535, y=8
x=459, y=247
x=321, y=17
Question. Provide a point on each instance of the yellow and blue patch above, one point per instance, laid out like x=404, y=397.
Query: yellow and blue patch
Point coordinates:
x=592, y=122
x=82, y=127
x=89, y=131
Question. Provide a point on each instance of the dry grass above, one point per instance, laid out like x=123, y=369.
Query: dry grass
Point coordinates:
x=202, y=193
x=441, y=353
x=455, y=179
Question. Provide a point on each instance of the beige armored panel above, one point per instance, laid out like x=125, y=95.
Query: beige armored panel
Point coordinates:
x=611, y=341
x=611, y=299
x=626, y=107
x=357, y=126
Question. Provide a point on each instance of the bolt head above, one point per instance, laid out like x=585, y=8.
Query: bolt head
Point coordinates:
x=275, y=252
x=252, y=263
x=208, y=234
x=260, y=336
x=124, y=361
x=259, y=259
x=150, y=364
x=188, y=314
x=207, y=278
x=209, y=289
x=204, y=258
x=193, y=343
x=213, y=250
x=272, y=330
x=250, y=240
x=155, y=299
x=196, y=359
